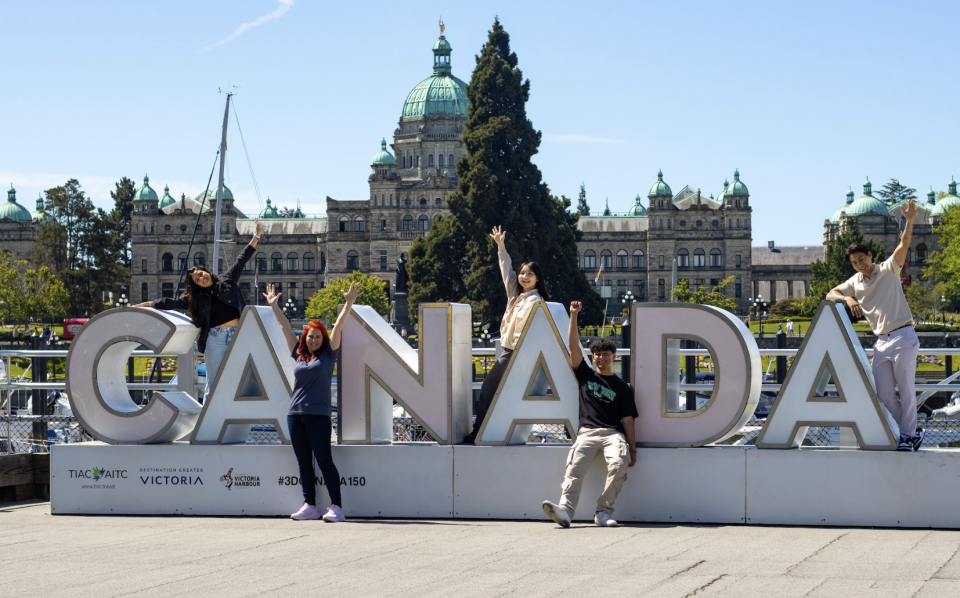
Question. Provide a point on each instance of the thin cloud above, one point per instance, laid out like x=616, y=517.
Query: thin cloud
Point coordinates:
x=282, y=9
x=585, y=139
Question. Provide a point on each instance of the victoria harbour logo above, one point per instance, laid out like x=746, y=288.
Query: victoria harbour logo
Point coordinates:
x=231, y=480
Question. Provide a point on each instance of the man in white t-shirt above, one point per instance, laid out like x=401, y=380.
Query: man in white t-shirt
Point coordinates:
x=875, y=293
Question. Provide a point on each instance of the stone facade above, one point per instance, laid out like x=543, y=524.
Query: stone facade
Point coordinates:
x=18, y=227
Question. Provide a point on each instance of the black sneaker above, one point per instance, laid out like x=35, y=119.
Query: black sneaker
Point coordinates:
x=917, y=439
x=905, y=443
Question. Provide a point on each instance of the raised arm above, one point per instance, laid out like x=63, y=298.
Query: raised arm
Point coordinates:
x=506, y=265
x=349, y=296
x=246, y=253
x=903, y=249
x=573, y=335
x=166, y=303
x=273, y=300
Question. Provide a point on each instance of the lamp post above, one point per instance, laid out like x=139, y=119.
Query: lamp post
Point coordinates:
x=289, y=308
x=761, y=308
x=123, y=301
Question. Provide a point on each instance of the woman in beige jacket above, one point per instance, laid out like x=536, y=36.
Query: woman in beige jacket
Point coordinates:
x=525, y=288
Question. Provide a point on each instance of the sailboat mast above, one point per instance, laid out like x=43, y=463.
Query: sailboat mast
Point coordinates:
x=215, y=266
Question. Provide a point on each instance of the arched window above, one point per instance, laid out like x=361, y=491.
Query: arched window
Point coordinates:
x=404, y=161
x=738, y=223
x=166, y=228
x=199, y=259
x=430, y=161
x=167, y=262
x=293, y=262
x=589, y=259
x=407, y=222
x=639, y=260
x=358, y=224
x=623, y=260
x=261, y=262
x=438, y=202
x=423, y=201
x=423, y=223
x=921, y=253
x=183, y=228
x=353, y=260
x=199, y=227
x=451, y=161
x=344, y=224
x=606, y=258
x=716, y=258
x=699, y=258
x=308, y=264
x=683, y=259
x=440, y=161
x=276, y=262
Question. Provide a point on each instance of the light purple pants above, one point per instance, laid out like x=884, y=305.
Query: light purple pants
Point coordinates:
x=895, y=367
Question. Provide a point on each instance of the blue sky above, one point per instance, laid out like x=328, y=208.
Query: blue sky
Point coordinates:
x=805, y=98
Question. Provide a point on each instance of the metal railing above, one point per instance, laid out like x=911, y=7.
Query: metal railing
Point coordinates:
x=35, y=433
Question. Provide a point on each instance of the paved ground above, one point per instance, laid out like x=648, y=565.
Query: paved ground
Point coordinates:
x=43, y=555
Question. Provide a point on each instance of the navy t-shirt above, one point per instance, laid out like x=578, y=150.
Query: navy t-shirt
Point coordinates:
x=311, y=388
x=604, y=400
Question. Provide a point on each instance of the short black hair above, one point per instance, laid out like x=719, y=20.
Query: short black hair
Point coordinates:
x=603, y=344
x=855, y=248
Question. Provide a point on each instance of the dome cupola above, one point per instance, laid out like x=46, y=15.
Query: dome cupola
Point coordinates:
x=931, y=196
x=384, y=157
x=145, y=193
x=948, y=201
x=40, y=215
x=736, y=187
x=441, y=93
x=835, y=219
x=269, y=211
x=637, y=210
x=867, y=203
x=166, y=201
x=12, y=210
x=660, y=188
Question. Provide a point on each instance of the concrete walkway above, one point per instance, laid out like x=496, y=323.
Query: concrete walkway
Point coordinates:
x=50, y=556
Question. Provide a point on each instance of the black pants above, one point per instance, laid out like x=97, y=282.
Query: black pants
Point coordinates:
x=488, y=389
x=313, y=432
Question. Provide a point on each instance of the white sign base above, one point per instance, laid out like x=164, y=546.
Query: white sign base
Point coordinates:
x=425, y=480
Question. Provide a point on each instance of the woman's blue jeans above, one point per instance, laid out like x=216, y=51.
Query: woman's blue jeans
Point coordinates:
x=218, y=340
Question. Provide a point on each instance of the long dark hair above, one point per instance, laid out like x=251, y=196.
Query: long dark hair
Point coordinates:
x=192, y=292
x=541, y=285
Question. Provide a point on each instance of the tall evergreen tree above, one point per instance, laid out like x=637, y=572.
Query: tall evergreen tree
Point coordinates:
x=118, y=221
x=893, y=193
x=583, y=209
x=834, y=269
x=499, y=185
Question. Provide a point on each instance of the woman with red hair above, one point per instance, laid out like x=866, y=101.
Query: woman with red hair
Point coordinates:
x=308, y=417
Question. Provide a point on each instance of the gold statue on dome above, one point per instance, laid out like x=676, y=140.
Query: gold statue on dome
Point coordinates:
x=441, y=26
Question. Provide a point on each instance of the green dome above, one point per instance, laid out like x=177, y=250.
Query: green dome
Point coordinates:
x=383, y=156
x=835, y=219
x=946, y=202
x=440, y=93
x=40, y=215
x=660, y=188
x=166, y=201
x=867, y=203
x=227, y=194
x=637, y=210
x=269, y=211
x=145, y=192
x=931, y=197
x=12, y=210
x=736, y=187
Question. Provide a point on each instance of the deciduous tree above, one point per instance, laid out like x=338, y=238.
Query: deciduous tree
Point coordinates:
x=324, y=302
x=716, y=296
x=834, y=269
x=26, y=293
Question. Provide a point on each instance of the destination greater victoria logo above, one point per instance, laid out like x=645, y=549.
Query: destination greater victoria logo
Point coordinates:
x=171, y=476
x=107, y=478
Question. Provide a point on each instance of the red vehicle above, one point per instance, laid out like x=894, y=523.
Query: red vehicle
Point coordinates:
x=71, y=326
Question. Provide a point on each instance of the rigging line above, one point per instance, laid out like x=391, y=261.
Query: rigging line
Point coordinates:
x=256, y=187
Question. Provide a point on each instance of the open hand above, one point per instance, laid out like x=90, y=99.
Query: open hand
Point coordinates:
x=351, y=294
x=498, y=236
x=272, y=297
x=256, y=226
x=910, y=211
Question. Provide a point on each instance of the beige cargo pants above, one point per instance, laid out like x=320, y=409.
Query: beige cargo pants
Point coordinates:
x=615, y=452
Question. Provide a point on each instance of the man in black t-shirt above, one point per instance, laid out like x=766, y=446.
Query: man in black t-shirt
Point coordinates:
x=607, y=410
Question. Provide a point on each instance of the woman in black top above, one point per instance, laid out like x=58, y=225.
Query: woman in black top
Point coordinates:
x=214, y=304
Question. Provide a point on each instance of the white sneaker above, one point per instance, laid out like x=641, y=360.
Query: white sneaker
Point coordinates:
x=306, y=512
x=334, y=514
x=557, y=513
x=603, y=519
